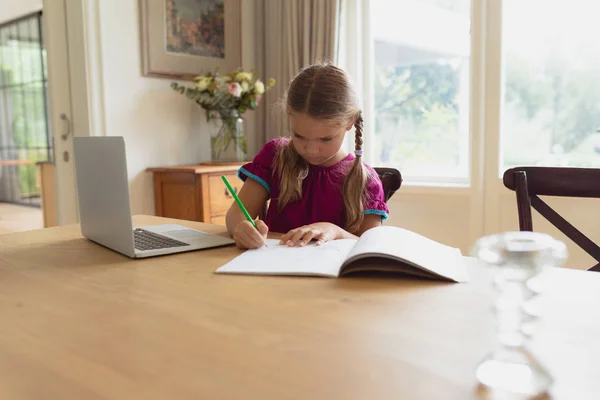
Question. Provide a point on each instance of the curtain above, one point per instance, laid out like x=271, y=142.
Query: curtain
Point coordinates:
x=297, y=33
x=355, y=56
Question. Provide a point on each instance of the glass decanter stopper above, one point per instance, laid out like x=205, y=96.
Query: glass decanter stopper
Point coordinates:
x=517, y=257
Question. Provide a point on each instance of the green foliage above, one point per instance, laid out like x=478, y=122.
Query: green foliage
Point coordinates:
x=550, y=107
x=410, y=91
x=417, y=113
x=563, y=99
x=524, y=88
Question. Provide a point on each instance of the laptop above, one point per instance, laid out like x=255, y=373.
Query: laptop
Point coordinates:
x=105, y=210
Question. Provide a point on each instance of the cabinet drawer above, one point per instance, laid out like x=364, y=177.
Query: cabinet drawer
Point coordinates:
x=220, y=198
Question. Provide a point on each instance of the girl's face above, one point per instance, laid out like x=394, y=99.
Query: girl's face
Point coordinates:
x=318, y=142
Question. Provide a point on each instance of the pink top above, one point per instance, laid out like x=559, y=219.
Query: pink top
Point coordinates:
x=321, y=191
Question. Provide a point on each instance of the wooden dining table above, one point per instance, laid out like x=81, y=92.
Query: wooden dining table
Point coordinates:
x=80, y=321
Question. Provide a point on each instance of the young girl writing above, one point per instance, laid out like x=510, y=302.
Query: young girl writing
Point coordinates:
x=317, y=191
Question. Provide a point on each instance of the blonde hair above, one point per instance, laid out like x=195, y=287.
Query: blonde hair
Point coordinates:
x=324, y=92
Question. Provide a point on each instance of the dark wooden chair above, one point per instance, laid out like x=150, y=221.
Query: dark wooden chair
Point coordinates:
x=530, y=182
x=391, y=180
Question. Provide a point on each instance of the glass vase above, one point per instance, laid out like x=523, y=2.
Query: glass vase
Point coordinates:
x=517, y=257
x=228, y=143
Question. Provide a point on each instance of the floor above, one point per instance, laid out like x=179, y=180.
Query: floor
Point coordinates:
x=16, y=218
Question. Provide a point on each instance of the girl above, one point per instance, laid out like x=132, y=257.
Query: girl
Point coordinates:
x=317, y=191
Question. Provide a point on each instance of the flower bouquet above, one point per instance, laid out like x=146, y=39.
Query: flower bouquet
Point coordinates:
x=225, y=98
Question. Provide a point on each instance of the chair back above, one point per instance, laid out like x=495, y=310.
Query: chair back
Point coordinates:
x=530, y=182
x=391, y=180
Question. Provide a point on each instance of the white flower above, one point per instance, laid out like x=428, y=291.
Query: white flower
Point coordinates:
x=259, y=87
x=202, y=83
x=245, y=86
x=243, y=76
x=234, y=89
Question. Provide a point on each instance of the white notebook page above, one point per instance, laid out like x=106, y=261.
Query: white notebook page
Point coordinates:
x=276, y=259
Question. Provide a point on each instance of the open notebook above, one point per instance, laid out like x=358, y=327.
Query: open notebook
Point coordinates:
x=385, y=248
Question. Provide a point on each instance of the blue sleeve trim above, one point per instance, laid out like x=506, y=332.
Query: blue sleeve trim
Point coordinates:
x=383, y=214
x=258, y=179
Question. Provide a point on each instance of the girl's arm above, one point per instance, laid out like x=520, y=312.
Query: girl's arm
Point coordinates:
x=253, y=196
x=369, y=221
x=326, y=231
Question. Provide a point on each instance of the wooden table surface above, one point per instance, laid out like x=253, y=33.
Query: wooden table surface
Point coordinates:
x=78, y=321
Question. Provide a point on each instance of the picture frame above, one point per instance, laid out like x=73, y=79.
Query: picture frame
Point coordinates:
x=177, y=44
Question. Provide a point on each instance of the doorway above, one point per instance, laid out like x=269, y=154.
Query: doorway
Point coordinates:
x=25, y=138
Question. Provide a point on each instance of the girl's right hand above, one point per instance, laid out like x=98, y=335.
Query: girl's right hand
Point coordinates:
x=248, y=237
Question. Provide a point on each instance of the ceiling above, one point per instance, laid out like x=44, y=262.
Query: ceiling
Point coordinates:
x=12, y=9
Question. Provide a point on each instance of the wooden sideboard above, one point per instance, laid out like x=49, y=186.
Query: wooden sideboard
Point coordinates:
x=195, y=192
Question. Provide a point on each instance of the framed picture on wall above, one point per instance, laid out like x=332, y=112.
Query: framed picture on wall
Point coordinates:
x=180, y=38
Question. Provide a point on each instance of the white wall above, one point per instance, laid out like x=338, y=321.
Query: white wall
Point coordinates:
x=160, y=126
x=443, y=217
x=11, y=9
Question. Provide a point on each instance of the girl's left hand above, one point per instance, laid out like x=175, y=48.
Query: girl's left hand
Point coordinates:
x=321, y=232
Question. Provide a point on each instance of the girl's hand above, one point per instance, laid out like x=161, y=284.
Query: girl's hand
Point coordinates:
x=248, y=237
x=321, y=232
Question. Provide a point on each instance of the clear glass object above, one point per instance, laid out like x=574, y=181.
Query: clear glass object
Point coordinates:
x=517, y=258
x=228, y=142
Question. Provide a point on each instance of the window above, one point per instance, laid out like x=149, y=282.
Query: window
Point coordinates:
x=551, y=100
x=421, y=79
x=539, y=69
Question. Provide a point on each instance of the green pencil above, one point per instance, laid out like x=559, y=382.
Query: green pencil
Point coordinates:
x=239, y=203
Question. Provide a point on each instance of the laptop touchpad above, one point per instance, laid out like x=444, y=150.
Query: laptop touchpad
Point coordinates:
x=185, y=234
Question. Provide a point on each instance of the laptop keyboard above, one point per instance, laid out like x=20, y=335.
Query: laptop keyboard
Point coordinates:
x=146, y=240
